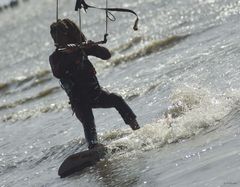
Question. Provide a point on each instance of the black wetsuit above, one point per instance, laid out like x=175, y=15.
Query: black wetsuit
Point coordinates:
x=78, y=78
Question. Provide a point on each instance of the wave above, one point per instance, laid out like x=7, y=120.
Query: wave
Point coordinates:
x=3, y=86
x=193, y=112
x=30, y=113
x=124, y=47
x=130, y=93
x=30, y=99
x=148, y=49
x=25, y=82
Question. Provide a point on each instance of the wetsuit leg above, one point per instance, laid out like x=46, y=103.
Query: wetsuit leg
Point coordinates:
x=84, y=113
x=108, y=100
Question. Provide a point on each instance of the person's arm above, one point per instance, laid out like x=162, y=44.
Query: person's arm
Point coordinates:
x=98, y=51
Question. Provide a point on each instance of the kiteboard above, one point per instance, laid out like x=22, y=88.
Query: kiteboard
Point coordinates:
x=79, y=161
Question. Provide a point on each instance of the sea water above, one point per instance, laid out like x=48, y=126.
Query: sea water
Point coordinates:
x=180, y=74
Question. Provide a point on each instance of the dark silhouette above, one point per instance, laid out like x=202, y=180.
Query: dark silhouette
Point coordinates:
x=71, y=65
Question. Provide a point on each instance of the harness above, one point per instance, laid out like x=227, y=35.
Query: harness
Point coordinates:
x=73, y=79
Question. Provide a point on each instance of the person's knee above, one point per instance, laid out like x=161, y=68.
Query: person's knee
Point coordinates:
x=84, y=117
x=116, y=99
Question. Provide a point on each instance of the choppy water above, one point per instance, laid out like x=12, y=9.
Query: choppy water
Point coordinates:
x=179, y=73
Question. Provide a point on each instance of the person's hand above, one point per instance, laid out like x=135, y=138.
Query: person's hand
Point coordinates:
x=89, y=44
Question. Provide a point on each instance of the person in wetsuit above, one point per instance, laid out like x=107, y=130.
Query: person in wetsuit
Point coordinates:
x=78, y=78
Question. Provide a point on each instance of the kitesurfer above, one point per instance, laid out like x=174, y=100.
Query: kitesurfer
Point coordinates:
x=71, y=65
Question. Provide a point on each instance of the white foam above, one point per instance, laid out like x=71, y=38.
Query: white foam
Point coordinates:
x=195, y=109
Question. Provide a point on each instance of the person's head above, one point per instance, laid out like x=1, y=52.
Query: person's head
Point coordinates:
x=66, y=32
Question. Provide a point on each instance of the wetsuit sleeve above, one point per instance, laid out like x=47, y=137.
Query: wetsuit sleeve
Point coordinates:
x=98, y=51
x=55, y=66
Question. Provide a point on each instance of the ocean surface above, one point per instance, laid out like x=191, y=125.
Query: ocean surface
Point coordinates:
x=180, y=73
